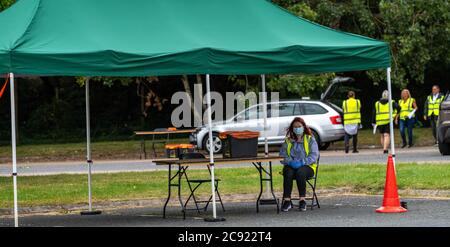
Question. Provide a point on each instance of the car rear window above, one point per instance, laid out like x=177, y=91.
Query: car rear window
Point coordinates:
x=312, y=109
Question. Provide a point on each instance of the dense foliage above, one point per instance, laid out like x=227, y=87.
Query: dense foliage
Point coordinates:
x=418, y=32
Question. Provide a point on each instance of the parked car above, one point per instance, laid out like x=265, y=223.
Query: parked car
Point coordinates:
x=443, y=126
x=323, y=117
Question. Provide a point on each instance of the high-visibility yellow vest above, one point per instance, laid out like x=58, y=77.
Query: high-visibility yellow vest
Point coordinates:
x=382, y=113
x=406, y=107
x=306, y=139
x=352, y=111
x=433, y=108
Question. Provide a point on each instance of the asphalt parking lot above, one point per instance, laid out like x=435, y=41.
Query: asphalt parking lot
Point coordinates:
x=335, y=211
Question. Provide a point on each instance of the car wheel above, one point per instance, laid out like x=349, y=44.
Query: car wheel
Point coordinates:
x=217, y=143
x=444, y=148
x=322, y=146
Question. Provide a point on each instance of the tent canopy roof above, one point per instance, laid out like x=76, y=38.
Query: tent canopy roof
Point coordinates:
x=172, y=37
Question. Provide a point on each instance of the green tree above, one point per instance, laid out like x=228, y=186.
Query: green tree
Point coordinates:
x=6, y=3
x=418, y=31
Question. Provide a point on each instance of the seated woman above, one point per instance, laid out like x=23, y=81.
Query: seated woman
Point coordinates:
x=300, y=152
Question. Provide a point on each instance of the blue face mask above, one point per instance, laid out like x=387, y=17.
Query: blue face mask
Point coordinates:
x=299, y=131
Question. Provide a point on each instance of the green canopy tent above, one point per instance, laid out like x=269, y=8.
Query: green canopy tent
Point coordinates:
x=172, y=37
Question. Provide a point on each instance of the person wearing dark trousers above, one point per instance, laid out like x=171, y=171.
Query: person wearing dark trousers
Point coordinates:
x=407, y=118
x=300, y=152
x=352, y=120
x=431, y=108
x=354, y=138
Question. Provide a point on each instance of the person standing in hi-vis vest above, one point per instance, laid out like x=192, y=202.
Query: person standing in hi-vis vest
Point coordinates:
x=407, y=116
x=382, y=120
x=431, y=109
x=352, y=120
x=300, y=153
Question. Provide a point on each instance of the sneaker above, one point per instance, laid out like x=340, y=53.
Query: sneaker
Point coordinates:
x=302, y=205
x=385, y=151
x=355, y=151
x=286, y=206
x=404, y=145
x=410, y=145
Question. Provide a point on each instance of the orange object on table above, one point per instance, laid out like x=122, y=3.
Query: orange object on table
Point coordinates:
x=172, y=150
x=185, y=148
x=171, y=146
x=185, y=145
x=171, y=129
x=239, y=134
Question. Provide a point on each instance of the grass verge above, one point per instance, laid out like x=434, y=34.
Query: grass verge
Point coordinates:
x=58, y=190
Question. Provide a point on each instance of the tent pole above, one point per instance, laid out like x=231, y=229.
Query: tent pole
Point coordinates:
x=14, y=150
x=391, y=124
x=266, y=145
x=211, y=152
x=264, y=98
x=88, y=152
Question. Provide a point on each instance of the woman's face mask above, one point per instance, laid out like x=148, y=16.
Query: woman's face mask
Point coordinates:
x=299, y=131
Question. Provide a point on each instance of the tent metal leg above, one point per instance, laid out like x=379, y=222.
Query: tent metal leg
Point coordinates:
x=266, y=145
x=391, y=124
x=211, y=153
x=88, y=154
x=14, y=150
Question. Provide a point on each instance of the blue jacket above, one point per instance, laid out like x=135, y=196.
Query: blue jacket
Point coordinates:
x=298, y=152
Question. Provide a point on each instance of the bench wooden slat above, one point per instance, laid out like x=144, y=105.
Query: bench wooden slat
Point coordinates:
x=141, y=133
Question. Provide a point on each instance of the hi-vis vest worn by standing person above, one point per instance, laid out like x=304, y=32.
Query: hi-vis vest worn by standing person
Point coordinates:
x=431, y=109
x=352, y=120
x=352, y=111
x=433, y=106
x=406, y=108
x=381, y=119
x=382, y=113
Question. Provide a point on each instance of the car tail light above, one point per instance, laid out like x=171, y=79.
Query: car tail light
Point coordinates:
x=336, y=120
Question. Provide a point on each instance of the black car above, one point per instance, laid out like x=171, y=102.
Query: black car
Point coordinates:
x=443, y=126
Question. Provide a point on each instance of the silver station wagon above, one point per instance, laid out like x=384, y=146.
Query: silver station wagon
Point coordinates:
x=323, y=117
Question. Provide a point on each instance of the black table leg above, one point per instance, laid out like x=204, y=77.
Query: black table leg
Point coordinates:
x=143, y=151
x=153, y=146
x=180, y=175
x=261, y=170
x=271, y=187
x=259, y=167
x=171, y=178
x=170, y=190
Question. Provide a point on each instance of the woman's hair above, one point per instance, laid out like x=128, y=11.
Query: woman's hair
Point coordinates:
x=385, y=94
x=407, y=91
x=290, y=129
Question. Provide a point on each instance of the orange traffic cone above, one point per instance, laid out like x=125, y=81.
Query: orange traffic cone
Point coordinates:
x=391, y=202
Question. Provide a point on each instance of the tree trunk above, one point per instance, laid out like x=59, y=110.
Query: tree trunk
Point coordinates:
x=200, y=81
x=142, y=91
x=187, y=88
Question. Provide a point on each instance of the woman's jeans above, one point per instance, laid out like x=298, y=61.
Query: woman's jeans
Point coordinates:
x=301, y=175
x=407, y=124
